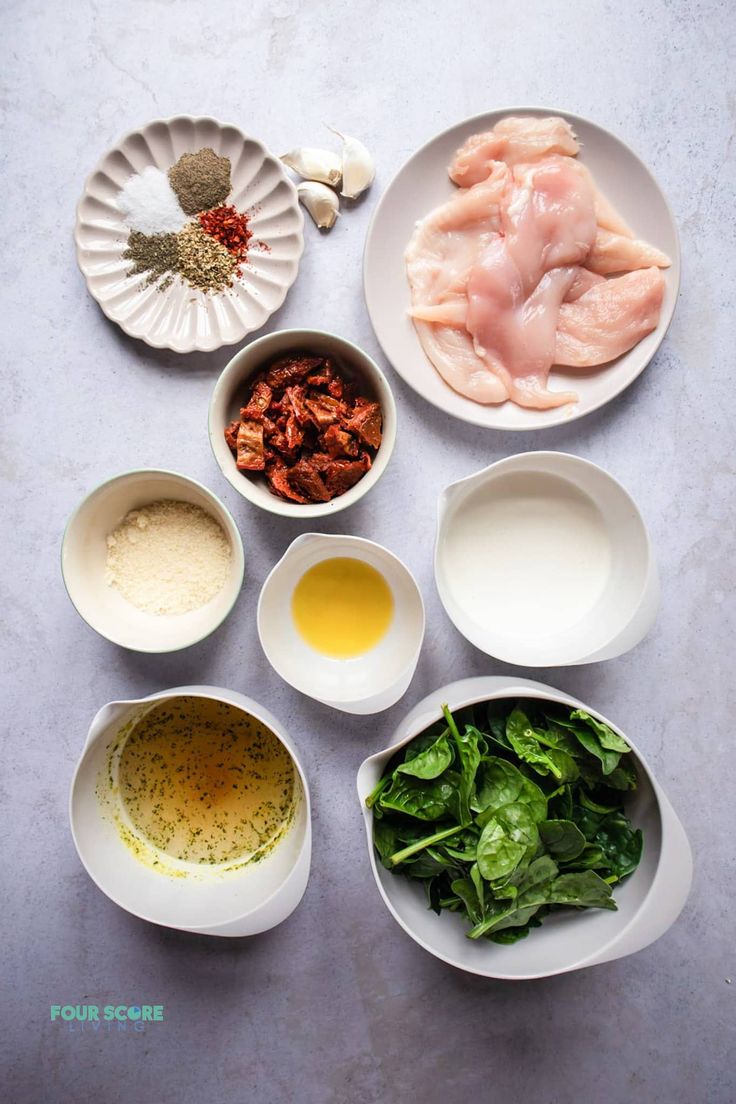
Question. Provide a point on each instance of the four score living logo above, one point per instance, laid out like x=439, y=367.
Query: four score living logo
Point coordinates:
x=105, y=1019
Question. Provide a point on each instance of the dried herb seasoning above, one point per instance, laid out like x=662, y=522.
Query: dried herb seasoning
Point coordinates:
x=203, y=261
x=154, y=254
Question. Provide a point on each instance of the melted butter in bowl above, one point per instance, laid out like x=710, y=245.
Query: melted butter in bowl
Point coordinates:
x=203, y=782
x=342, y=607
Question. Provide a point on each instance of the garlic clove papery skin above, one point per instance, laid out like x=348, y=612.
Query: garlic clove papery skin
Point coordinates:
x=321, y=202
x=358, y=168
x=315, y=164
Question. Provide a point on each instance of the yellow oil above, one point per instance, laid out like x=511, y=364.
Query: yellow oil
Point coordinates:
x=342, y=607
x=205, y=782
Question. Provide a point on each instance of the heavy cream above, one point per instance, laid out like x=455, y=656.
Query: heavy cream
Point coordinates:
x=529, y=554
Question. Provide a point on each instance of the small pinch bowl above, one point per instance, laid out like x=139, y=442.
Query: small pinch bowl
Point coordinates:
x=194, y=897
x=183, y=318
x=367, y=683
x=229, y=395
x=582, y=583
x=649, y=900
x=84, y=551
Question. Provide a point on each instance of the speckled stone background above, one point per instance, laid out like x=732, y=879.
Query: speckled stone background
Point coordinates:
x=338, y=1006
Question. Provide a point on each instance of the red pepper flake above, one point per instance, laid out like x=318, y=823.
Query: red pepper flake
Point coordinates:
x=229, y=227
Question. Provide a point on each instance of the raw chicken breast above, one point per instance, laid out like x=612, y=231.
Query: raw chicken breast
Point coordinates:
x=606, y=214
x=609, y=319
x=614, y=253
x=549, y=220
x=584, y=281
x=439, y=256
x=516, y=288
x=508, y=277
x=512, y=140
x=453, y=355
x=514, y=333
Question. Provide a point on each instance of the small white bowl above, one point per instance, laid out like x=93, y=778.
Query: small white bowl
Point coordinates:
x=229, y=395
x=543, y=560
x=649, y=901
x=195, y=897
x=184, y=318
x=84, y=552
x=368, y=683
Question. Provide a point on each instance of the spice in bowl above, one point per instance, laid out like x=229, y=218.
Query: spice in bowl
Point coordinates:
x=180, y=225
x=168, y=557
x=306, y=426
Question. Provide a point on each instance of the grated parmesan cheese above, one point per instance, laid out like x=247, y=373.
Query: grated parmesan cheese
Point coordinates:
x=168, y=557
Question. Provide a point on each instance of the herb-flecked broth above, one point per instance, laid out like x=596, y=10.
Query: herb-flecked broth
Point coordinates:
x=205, y=782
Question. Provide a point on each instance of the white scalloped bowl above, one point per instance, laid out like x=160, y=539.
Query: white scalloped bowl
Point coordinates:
x=183, y=318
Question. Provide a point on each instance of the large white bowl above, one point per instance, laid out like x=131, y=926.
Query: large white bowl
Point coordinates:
x=649, y=901
x=367, y=683
x=183, y=318
x=580, y=584
x=84, y=552
x=422, y=183
x=196, y=898
x=230, y=392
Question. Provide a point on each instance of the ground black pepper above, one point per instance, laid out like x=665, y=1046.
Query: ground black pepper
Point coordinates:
x=201, y=180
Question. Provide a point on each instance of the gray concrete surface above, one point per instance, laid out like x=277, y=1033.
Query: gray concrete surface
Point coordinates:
x=338, y=1006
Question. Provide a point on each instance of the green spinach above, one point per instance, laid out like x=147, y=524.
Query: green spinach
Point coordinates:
x=507, y=812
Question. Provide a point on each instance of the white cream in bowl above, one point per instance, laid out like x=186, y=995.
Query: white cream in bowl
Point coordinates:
x=543, y=559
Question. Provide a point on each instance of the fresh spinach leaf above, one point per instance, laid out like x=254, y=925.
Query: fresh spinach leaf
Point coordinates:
x=498, y=783
x=497, y=854
x=431, y=762
x=620, y=844
x=426, y=799
x=466, y=891
x=544, y=760
x=562, y=838
x=385, y=840
x=586, y=890
x=468, y=751
x=607, y=737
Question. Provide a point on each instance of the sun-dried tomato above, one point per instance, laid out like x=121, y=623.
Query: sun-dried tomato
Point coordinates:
x=305, y=425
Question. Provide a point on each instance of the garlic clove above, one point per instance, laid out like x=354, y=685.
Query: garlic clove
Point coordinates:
x=315, y=164
x=321, y=202
x=358, y=169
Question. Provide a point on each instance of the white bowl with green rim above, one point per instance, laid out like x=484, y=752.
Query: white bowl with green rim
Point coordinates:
x=84, y=553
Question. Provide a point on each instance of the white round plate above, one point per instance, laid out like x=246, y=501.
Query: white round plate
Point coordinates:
x=422, y=184
x=183, y=318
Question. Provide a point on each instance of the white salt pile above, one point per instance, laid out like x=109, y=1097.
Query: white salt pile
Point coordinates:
x=149, y=203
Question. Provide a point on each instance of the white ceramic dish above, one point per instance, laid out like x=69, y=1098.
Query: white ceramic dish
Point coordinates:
x=543, y=560
x=368, y=683
x=422, y=183
x=649, y=901
x=208, y=900
x=229, y=395
x=84, y=551
x=183, y=318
